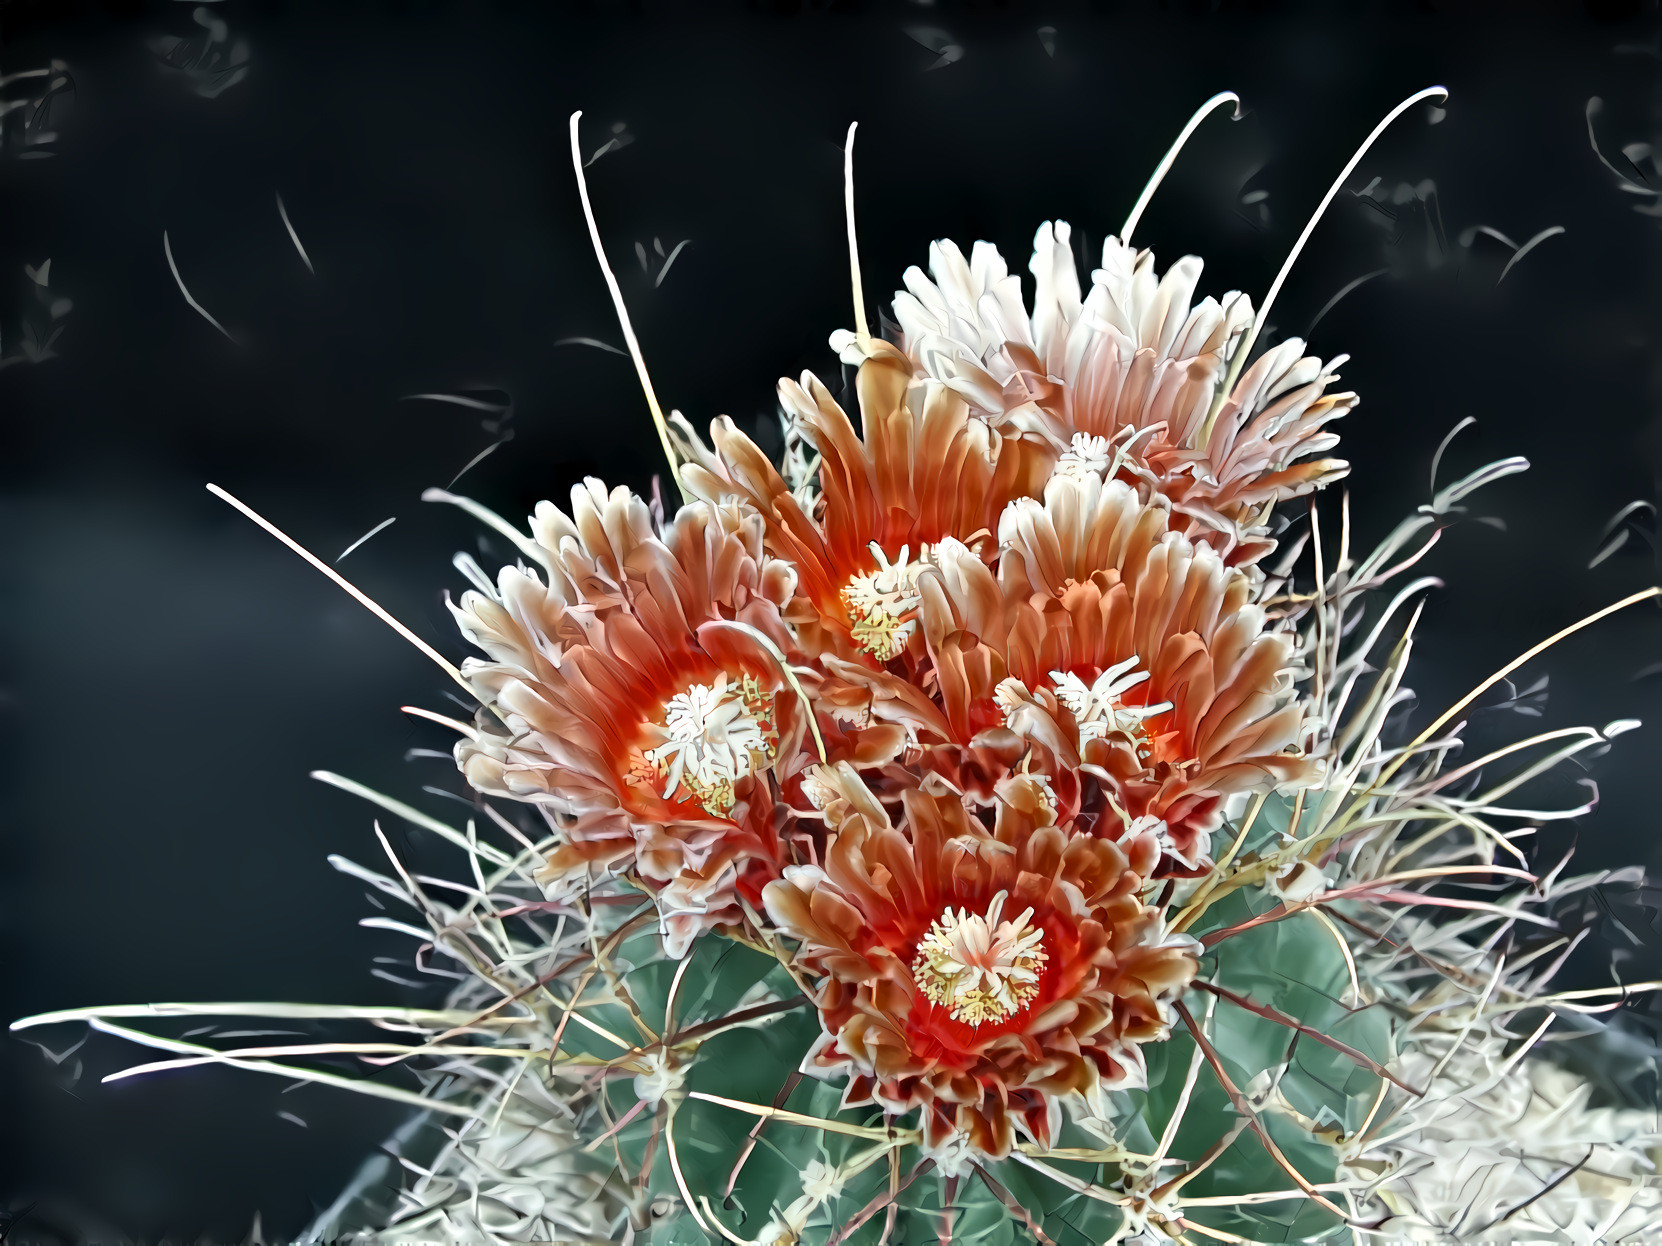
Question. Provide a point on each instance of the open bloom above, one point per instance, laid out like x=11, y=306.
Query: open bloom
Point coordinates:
x=1121, y=660
x=638, y=696
x=979, y=975
x=923, y=470
x=1124, y=380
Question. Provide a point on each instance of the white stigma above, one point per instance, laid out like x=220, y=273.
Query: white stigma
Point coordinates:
x=1087, y=456
x=1103, y=457
x=978, y=967
x=878, y=603
x=1097, y=708
x=714, y=735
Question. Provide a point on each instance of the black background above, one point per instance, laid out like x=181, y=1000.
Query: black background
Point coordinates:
x=171, y=674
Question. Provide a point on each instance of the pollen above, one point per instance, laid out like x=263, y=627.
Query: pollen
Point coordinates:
x=713, y=736
x=980, y=967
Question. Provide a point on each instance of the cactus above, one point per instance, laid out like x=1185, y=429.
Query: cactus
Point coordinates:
x=987, y=825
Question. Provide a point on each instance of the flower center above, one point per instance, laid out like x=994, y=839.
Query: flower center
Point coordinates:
x=881, y=604
x=1097, y=708
x=978, y=967
x=1087, y=456
x=713, y=736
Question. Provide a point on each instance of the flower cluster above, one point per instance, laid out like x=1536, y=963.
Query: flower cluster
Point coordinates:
x=951, y=716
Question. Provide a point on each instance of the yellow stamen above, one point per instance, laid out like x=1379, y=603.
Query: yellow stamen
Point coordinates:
x=978, y=967
x=713, y=736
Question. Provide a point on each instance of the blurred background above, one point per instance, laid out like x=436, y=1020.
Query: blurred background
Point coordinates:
x=375, y=201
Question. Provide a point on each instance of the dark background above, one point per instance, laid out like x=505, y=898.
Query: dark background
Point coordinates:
x=170, y=674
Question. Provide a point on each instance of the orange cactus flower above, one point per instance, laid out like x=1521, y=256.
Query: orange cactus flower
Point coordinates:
x=1120, y=659
x=1124, y=379
x=638, y=697
x=978, y=974
x=925, y=469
